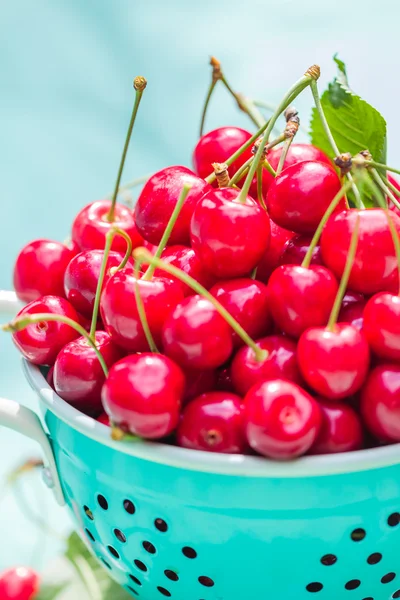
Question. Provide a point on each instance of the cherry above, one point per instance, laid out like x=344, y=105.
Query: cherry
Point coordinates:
x=187, y=260
x=298, y=198
x=50, y=377
x=341, y=429
x=396, y=184
x=104, y=419
x=380, y=402
x=224, y=379
x=78, y=375
x=198, y=382
x=41, y=342
x=19, y=583
x=295, y=250
x=213, y=422
x=282, y=420
x=298, y=153
x=352, y=298
x=375, y=267
x=229, y=236
x=39, y=269
x=382, y=325
x=142, y=395
x=353, y=313
x=301, y=297
x=217, y=146
x=119, y=311
x=271, y=257
x=334, y=362
x=91, y=225
x=157, y=201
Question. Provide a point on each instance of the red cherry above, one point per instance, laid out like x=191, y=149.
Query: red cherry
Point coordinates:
x=295, y=250
x=334, y=363
x=298, y=153
x=341, y=429
x=157, y=201
x=217, y=146
x=41, y=342
x=39, y=270
x=300, y=195
x=196, y=336
x=280, y=363
x=19, y=583
x=382, y=325
x=142, y=395
x=186, y=260
x=228, y=236
x=104, y=419
x=375, y=266
x=78, y=376
x=271, y=257
x=380, y=402
x=91, y=225
x=50, y=377
x=301, y=297
x=81, y=277
x=119, y=311
x=282, y=420
x=353, y=314
x=352, y=298
x=396, y=184
x=213, y=422
x=224, y=379
x=198, y=382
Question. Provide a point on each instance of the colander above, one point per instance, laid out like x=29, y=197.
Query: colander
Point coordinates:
x=173, y=523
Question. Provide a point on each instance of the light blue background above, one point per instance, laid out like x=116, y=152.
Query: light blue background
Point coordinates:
x=66, y=70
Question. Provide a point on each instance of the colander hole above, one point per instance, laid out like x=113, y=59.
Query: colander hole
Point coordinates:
x=90, y=535
x=88, y=512
x=388, y=577
x=328, y=560
x=140, y=565
x=106, y=563
x=353, y=584
x=161, y=525
x=121, y=537
x=163, y=591
x=113, y=551
x=369, y=598
x=374, y=558
x=149, y=547
x=396, y=594
x=206, y=581
x=394, y=519
x=189, y=552
x=129, y=507
x=314, y=587
x=171, y=575
x=102, y=502
x=135, y=580
x=132, y=590
x=358, y=534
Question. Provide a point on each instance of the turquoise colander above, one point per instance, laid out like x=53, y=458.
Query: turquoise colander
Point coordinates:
x=172, y=523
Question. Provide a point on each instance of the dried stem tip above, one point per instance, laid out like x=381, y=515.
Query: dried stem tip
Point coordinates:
x=256, y=146
x=360, y=159
x=117, y=434
x=292, y=122
x=314, y=71
x=344, y=162
x=221, y=174
x=139, y=83
x=216, y=69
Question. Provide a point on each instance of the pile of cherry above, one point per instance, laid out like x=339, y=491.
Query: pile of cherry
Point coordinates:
x=303, y=367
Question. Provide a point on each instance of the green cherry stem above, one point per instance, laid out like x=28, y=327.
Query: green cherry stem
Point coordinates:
x=390, y=185
x=377, y=165
x=206, y=103
x=259, y=192
x=282, y=158
x=384, y=188
x=142, y=255
x=139, y=83
x=240, y=172
x=245, y=104
x=142, y=312
x=129, y=185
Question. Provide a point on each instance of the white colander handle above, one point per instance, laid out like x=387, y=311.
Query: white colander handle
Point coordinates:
x=20, y=418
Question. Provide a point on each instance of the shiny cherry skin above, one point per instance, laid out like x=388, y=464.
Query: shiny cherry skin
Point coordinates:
x=187, y=260
x=280, y=363
x=298, y=153
x=334, y=363
x=82, y=275
x=19, y=583
x=198, y=382
x=282, y=420
x=41, y=342
x=228, y=236
x=157, y=201
x=353, y=314
x=50, y=377
x=341, y=429
x=247, y=301
x=39, y=269
x=382, y=325
x=91, y=225
x=352, y=298
x=394, y=182
x=213, y=422
x=271, y=257
x=143, y=393
x=298, y=198
x=78, y=376
x=196, y=336
x=217, y=146
x=295, y=250
x=104, y=419
x=375, y=265
x=119, y=311
x=380, y=402
x=301, y=297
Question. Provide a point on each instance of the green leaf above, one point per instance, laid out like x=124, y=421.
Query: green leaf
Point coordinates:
x=342, y=73
x=50, y=592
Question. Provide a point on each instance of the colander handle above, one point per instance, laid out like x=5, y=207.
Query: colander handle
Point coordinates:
x=20, y=418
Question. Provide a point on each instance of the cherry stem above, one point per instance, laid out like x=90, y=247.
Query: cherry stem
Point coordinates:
x=144, y=256
x=245, y=104
x=167, y=231
x=240, y=172
x=142, y=312
x=129, y=185
x=139, y=84
x=271, y=108
x=383, y=185
x=329, y=211
x=259, y=187
x=23, y=321
x=206, y=103
x=390, y=185
x=377, y=165
x=282, y=158
x=345, y=277
x=278, y=140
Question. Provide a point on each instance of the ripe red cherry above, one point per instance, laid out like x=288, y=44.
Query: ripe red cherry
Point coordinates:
x=196, y=336
x=247, y=301
x=298, y=153
x=198, y=382
x=295, y=250
x=217, y=146
x=19, y=583
x=187, y=260
x=78, y=376
x=104, y=419
x=50, y=377
x=228, y=236
x=271, y=257
x=298, y=198
x=142, y=395
x=382, y=325
x=341, y=429
x=213, y=422
x=157, y=201
x=380, y=402
x=81, y=277
x=282, y=421
x=91, y=225
x=301, y=297
x=224, y=379
x=353, y=314
x=396, y=184
x=41, y=342
x=119, y=310
x=334, y=363
x=352, y=298
x=375, y=265
x=280, y=363
x=39, y=269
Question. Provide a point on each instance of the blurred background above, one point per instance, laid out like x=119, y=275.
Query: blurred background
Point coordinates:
x=66, y=98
